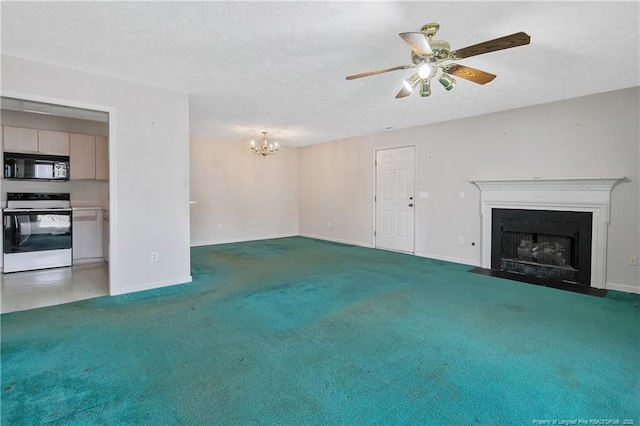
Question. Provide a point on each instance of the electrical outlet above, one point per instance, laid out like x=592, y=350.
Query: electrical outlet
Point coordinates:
x=154, y=256
x=632, y=260
x=461, y=195
x=219, y=227
x=460, y=240
x=328, y=224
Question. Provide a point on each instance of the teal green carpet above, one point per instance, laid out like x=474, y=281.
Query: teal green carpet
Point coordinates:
x=297, y=331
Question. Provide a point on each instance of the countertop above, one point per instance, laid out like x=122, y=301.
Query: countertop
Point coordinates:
x=86, y=208
x=79, y=205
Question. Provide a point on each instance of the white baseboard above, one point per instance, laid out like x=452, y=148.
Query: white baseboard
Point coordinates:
x=150, y=286
x=336, y=240
x=449, y=259
x=623, y=287
x=240, y=240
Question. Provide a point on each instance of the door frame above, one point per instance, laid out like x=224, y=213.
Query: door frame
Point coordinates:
x=375, y=191
x=113, y=212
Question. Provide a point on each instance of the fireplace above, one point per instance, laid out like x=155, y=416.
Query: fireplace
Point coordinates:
x=586, y=201
x=542, y=244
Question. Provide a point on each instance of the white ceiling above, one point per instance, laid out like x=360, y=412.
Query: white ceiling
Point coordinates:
x=281, y=66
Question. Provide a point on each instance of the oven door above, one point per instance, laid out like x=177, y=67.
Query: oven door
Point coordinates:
x=36, y=239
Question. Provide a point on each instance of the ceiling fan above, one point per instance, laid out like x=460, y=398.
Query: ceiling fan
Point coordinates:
x=435, y=58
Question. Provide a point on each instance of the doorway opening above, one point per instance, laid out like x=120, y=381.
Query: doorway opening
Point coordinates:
x=34, y=125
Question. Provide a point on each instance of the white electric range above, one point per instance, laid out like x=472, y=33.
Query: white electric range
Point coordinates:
x=37, y=231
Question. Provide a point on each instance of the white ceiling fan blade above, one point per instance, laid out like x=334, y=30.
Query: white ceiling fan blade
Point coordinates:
x=418, y=43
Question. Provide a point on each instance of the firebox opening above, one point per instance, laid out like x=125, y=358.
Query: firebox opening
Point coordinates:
x=542, y=244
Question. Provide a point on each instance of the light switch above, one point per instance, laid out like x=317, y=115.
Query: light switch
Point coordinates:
x=461, y=195
x=423, y=194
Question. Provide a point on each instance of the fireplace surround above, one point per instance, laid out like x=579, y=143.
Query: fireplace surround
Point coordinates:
x=587, y=195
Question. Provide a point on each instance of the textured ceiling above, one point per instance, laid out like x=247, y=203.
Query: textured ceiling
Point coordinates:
x=281, y=66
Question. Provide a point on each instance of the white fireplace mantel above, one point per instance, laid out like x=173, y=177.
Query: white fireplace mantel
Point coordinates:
x=588, y=194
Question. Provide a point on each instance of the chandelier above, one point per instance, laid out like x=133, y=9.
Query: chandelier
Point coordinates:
x=264, y=148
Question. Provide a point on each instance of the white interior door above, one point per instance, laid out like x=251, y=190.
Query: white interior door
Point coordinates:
x=395, y=174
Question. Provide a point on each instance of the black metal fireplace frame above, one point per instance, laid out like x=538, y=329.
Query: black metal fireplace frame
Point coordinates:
x=584, y=228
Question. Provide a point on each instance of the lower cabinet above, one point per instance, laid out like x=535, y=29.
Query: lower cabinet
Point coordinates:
x=87, y=235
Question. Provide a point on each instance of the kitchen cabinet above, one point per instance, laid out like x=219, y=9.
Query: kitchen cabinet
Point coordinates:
x=88, y=154
x=33, y=141
x=89, y=157
x=82, y=156
x=102, y=158
x=53, y=143
x=87, y=235
x=20, y=139
x=105, y=235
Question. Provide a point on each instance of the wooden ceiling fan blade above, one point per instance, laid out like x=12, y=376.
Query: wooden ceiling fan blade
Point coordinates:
x=506, y=42
x=367, y=74
x=418, y=43
x=468, y=73
x=403, y=93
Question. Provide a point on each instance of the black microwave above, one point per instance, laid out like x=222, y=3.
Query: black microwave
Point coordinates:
x=36, y=166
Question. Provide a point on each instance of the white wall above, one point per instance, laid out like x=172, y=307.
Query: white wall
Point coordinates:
x=336, y=187
x=595, y=135
x=149, y=161
x=251, y=197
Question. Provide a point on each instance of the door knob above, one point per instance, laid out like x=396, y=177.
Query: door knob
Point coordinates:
x=411, y=205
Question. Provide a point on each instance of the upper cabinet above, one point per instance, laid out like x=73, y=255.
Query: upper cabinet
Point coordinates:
x=102, y=158
x=32, y=141
x=18, y=139
x=82, y=156
x=88, y=154
x=53, y=143
x=89, y=157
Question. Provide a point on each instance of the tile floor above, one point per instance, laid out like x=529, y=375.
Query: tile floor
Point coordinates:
x=34, y=289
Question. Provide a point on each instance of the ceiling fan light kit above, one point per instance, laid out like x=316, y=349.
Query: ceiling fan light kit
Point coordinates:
x=425, y=90
x=435, y=58
x=427, y=70
x=447, y=81
x=410, y=83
